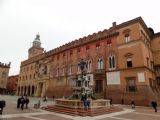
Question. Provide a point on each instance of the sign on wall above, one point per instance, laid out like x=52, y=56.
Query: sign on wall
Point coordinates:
x=141, y=77
x=113, y=78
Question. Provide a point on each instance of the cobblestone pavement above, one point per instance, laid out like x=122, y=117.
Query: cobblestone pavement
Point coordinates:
x=12, y=113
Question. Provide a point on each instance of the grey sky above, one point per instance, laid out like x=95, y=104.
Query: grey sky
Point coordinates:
x=61, y=21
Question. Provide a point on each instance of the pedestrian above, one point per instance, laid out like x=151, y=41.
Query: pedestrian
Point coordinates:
x=85, y=104
x=110, y=101
x=22, y=102
x=2, y=105
x=154, y=105
x=26, y=101
x=18, y=102
x=88, y=103
x=132, y=104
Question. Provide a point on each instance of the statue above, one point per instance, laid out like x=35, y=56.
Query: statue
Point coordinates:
x=82, y=84
x=37, y=37
x=82, y=66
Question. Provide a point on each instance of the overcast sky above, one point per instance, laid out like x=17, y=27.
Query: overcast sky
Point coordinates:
x=61, y=21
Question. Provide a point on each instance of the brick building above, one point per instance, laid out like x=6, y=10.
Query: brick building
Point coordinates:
x=122, y=64
x=12, y=84
x=4, y=71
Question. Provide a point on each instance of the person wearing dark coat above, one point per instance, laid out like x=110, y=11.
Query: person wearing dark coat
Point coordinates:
x=26, y=102
x=154, y=105
x=18, y=102
x=2, y=105
x=132, y=104
x=22, y=102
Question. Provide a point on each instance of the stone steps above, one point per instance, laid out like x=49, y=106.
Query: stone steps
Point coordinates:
x=82, y=112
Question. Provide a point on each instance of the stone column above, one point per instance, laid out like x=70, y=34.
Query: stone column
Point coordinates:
x=19, y=92
x=43, y=89
x=30, y=90
x=37, y=90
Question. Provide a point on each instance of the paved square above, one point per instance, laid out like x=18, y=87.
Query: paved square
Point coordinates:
x=12, y=113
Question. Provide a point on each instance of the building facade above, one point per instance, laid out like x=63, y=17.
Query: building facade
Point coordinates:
x=4, y=71
x=12, y=84
x=122, y=64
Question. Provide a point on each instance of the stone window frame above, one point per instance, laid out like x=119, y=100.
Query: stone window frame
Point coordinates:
x=69, y=69
x=100, y=64
x=89, y=65
x=63, y=70
x=127, y=57
x=78, y=68
x=126, y=33
x=112, y=66
x=57, y=71
x=129, y=87
x=98, y=46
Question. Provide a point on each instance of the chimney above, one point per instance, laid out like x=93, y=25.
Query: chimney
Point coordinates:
x=113, y=24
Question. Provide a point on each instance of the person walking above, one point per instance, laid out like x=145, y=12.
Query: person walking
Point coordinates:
x=22, y=102
x=18, y=102
x=132, y=104
x=110, y=101
x=154, y=105
x=26, y=101
x=2, y=105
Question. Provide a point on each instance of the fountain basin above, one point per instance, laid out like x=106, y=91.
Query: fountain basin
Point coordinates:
x=76, y=104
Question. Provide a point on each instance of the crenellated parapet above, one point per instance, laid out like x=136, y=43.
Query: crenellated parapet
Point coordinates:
x=105, y=34
x=5, y=65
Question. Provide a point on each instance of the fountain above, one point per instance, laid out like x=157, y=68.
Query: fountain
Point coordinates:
x=74, y=105
x=82, y=89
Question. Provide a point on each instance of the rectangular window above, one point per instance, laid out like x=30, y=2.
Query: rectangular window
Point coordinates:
x=109, y=43
x=70, y=69
x=97, y=46
x=126, y=38
x=129, y=62
x=62, y=71
x=131, y=85
x=57, y=72
x=78, y=69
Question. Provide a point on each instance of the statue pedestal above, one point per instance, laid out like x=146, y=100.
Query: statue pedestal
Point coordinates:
x=76, y=107
x=77, y=104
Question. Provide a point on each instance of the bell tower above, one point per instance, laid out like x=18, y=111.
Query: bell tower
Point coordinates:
x=36, y=48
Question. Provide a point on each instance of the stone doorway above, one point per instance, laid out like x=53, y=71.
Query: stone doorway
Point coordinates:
x=99, y=86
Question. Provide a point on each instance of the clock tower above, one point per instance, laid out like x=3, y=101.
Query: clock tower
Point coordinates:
x=36, y=48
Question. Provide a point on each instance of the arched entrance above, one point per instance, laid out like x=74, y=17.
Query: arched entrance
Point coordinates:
x=22, y=90
x=25, y=88
x=29, y=90
x=32, y=93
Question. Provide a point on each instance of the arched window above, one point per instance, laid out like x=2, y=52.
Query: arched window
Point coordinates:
x=112, y=61
x=78, y=68
x=57, y=71
x=100, y=64
x=89, y=65
x=63, y=71
x=69, y=69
